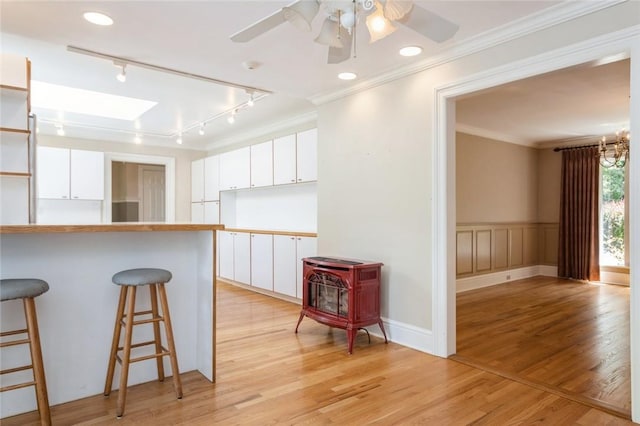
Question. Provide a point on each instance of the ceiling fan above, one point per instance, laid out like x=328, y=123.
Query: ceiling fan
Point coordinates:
x=342, y=16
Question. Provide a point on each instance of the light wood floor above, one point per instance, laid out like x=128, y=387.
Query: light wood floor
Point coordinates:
x=564, y=336
x=269, y=375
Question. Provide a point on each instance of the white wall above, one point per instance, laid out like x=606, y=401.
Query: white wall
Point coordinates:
x=183, y=159
x=375, y=162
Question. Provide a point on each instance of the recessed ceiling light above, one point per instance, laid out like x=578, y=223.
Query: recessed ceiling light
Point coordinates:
x=411, y=51
x=98, y=18
x=347, y=76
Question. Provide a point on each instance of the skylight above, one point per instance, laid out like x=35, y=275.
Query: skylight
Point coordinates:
x=69, y=99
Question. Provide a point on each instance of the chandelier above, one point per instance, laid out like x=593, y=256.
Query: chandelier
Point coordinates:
x=614, y=153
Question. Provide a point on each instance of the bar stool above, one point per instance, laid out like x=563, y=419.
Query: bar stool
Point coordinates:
x=129, y=281
x=27, y=289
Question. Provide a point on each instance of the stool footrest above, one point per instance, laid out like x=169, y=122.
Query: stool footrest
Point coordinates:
x=18, y=386
x=15, y=343
x=139, y=345
x=16, y=369
x=12, y=332
x=146, y=357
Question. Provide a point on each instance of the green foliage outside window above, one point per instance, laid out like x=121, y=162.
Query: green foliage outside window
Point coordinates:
x=612, y=215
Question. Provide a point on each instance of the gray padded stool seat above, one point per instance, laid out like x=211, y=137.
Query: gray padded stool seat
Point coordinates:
x=27, y=289
x=129, y=281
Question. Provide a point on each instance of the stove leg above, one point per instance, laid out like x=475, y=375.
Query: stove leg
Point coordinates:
x=382, y=328
x=351, y=335
x=299, y=320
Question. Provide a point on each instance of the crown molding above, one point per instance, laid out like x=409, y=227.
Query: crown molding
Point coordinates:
x=529, y=24
x=261, y=131
x=497, y=136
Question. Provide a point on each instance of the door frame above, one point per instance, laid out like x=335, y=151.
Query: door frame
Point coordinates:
x=620, y=44
x=169, y=164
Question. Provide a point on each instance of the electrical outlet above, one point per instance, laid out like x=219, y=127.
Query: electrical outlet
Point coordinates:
x=508, y=277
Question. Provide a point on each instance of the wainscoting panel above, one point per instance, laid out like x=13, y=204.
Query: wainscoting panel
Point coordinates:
x=486, y=248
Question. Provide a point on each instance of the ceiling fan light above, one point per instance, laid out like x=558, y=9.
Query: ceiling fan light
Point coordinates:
x=379, y=27
x=347, y=19
x=397, y=9
x=301, y=14
x=329, y=34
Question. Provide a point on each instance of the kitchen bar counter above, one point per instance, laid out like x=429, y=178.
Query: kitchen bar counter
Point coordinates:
x=76, y=315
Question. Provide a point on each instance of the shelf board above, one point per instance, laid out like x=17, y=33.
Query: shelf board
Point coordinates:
x=15, y=174
x=12, y=130
x=13, y=88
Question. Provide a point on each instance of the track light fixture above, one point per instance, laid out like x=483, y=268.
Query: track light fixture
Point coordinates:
x=179, y=139
x=232, y=118
x=122, y=75
x=59, y=129
x=201, y=131
x=137, y=139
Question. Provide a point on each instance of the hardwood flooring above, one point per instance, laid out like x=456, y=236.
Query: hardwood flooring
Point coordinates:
x=269, y=375
x=568, y=337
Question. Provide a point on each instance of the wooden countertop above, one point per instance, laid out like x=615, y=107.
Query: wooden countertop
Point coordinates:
x=106, y=227
x=263, y=231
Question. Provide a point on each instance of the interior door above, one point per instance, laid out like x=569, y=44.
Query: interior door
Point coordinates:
x=152, y=200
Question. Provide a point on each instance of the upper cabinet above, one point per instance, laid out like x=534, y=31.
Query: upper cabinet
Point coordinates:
x=212, y=178
x=235, y=169
x=70, y=174
x=262, y=164
x=197, y=181
x=295, y=158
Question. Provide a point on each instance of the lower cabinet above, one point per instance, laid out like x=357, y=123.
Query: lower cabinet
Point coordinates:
x=262, y=261
x=275, y=260
x=235, y=256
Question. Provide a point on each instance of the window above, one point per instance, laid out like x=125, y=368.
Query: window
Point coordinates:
x=613, y=217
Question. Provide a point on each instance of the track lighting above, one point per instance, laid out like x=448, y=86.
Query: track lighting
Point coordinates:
x=59, y=130
x=250, y=101
x=137, y=140
x=232, y=118
x=179, y=139
x=122, y=75
x=201, y=131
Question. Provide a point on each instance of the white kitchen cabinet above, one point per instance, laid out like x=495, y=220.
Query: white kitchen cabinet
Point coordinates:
x=235, y=169
x=87, y=175
x=288, y=252
x=53, y=172
x=284, y=160
x=305, y=247
x=284, y=265
x=211, y=178
x=70, y=174
x=205, y=212
x=197, y=181
x=262, y=164
x=235, y=256
x=307, y=156
x=262, y=261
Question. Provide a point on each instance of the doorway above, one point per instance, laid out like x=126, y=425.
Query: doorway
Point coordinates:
x=137, y=192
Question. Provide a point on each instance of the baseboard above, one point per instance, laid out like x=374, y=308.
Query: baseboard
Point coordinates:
x=487, y=280
x=405, y=334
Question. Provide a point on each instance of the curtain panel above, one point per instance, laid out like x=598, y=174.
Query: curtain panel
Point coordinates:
x=579, y=246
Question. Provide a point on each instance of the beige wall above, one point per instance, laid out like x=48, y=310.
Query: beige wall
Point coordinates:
x=495, y=181
x=183, y=159
x=124, y=181
x=549, y=169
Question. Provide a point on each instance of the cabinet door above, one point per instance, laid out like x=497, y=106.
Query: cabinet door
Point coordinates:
x=235, y=169
x=197, y=212
x=225, y=254
x=262, y=164
x=53, y=172
x=284, y=265
x=197, y=181
x=87, y=175
x=211, y=212
x=307, y=156
x=262, y=261
x=242, y=258
x=305, y=247
x=284, y=160
x=212, y=178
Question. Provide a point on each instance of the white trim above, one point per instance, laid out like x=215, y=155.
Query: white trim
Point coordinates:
x=170, y=181
x=443, y=275
x=546, y=18
x=489, y=134
x=404, y=334
x=257, y=132
x=495, y=278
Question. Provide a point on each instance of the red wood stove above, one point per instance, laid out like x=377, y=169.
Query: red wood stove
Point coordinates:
x=341, y=293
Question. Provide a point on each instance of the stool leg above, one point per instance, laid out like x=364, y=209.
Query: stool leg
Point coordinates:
x=126, y=352
x=116, y=341
x=177, y=385
x=156, y=330
x=36, y=359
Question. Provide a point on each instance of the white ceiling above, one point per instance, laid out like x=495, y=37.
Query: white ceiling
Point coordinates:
x=193, y=37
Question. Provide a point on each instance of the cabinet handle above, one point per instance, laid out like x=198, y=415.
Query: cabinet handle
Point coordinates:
x=64, y=196
x=75, y=196
x=299, y=179
x=293, y=180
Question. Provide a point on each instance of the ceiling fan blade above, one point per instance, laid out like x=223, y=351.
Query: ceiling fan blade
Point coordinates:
x=260, y=27
x=429, y=24
x=341, y=54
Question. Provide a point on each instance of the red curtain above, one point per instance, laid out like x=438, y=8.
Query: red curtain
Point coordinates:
x=579, y=247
